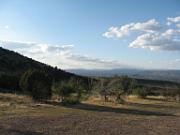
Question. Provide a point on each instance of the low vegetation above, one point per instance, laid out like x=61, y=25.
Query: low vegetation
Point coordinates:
x=41, y=86
x=19, y=115
x=36, y=84
x=140, y=92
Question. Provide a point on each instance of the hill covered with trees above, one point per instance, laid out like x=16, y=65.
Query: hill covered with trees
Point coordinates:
x=13, y=65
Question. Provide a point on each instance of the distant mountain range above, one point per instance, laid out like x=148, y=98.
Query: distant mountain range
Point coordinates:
x=167, y=75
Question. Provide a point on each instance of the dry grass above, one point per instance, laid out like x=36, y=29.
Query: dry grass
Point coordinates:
x=151, y=116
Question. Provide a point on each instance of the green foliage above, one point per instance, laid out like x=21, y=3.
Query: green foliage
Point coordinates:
x=175, y=93
x=69, y=92
x=37, y=84
x=71, y=100
x=64, y=89
x=13, y=65
x=104, y=87
x=168, y=93
x=9, y=83
x=140, y=92
x=116, y=86
x=171, y=93
x=121, y=86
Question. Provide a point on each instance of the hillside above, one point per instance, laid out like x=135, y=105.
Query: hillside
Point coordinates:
x=13, y=65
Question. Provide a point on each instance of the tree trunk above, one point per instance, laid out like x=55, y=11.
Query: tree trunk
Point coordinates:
x=119, y=99
x=105, y=98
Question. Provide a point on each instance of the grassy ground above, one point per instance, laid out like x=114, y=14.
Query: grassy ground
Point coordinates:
x=151, y=116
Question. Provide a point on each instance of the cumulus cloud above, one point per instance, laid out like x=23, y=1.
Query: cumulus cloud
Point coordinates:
x=59, y=55
x=35, y=48
x=153, y=36
x=96, y=62
x=169, y=41
x=178, y=25
x=174, y=20
x=163, y=41
x=148, y=26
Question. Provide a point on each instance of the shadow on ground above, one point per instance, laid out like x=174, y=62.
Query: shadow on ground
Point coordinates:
x=98, y=108
x=18, y=132
x=157, y=99
x=151, y=105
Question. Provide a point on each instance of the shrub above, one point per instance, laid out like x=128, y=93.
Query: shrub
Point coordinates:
x=9, y=83
x=122, y=86
x=69, y=93
x=168, y=94
x=140, y=92
x=63, y=89
x=71, y=100
x=36, y=84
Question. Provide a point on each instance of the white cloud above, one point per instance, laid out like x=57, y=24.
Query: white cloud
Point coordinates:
x=149, y=26
x=64, y=57
x=174, y=20
x=34, y=48
x=153, y=36
x=169, y=41
x=88, y=61
x=59, y=55
x=178, y=25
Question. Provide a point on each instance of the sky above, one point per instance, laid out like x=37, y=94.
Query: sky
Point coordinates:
x=94, y=34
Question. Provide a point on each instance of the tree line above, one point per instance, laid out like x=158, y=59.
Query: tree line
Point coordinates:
x=41, y=86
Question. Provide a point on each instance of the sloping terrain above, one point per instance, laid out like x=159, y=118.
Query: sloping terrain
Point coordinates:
x=14, y=63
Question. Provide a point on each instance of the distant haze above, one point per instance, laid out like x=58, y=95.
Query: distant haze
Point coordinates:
x=167, y=75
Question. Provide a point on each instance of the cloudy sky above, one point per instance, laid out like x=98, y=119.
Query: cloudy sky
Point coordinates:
x=94, y=34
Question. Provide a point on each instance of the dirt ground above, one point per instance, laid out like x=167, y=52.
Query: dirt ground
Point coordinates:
x=151, y=116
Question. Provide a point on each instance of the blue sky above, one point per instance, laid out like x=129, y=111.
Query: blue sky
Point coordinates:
x=76, y=34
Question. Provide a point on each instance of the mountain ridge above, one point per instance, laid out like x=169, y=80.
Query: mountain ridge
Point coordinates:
x=166, y=75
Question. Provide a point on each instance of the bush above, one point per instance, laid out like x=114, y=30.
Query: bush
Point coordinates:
x=36, y=84
x=140, y=92
x=168, y=94
x=71, y=100
x=63, y=89
x=69, y=93
x=122, y=86
x=9, y=83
